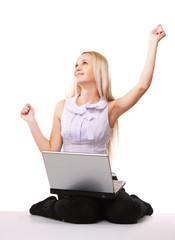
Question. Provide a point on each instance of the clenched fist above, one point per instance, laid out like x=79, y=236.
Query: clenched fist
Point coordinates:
x=28, y=113
x=157, y=33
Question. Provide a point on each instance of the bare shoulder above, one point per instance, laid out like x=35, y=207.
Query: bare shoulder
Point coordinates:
x=59, y=108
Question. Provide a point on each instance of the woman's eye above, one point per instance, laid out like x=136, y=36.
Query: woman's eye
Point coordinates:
x=77, y=64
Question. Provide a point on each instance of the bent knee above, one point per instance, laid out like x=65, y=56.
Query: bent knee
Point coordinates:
x=121, y=215
x=77, y=209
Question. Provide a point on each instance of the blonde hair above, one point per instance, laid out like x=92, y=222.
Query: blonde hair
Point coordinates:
x=103, y=83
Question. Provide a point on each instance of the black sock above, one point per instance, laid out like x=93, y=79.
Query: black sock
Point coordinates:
x=45, y=208
x=149, y=210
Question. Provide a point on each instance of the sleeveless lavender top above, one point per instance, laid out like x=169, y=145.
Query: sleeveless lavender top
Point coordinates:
x=85, y=128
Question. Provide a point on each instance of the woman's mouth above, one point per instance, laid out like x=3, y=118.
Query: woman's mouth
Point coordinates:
x=79, y=74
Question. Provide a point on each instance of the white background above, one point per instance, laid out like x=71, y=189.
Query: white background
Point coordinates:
x=39, y=45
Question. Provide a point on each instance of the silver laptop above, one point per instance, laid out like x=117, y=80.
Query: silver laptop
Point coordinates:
x=80, y=174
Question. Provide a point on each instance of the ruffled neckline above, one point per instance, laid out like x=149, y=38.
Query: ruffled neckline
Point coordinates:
x=73, y=107
x=98, y=105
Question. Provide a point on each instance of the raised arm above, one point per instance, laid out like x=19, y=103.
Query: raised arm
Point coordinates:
x=118, y=106
x=55, y=141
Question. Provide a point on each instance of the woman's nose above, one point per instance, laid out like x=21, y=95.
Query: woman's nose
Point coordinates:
x=77, y=70
x=79, y=67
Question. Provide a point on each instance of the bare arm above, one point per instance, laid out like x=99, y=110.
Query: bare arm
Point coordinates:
x=123, y=104
x=41, y=141
x=55, y=141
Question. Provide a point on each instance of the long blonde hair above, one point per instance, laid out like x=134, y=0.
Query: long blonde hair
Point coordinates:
x=103, y=83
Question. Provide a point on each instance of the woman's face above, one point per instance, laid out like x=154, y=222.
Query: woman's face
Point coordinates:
x=84, y=69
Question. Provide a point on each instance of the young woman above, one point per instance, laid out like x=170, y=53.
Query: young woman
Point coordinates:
x=86, y=122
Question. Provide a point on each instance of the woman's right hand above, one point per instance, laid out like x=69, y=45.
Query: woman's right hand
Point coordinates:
x=28, y=113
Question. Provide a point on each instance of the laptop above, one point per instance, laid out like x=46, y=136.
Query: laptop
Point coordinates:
x=80, y=174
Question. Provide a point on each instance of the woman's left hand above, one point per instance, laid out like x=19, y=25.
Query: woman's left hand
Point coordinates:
x=157, y=33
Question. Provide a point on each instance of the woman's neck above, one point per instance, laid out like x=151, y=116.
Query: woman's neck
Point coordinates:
x=88, y=96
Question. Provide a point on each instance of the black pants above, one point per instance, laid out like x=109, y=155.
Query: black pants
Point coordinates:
x=123, y=209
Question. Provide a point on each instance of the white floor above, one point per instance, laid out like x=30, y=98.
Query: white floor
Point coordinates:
x=23, y=226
